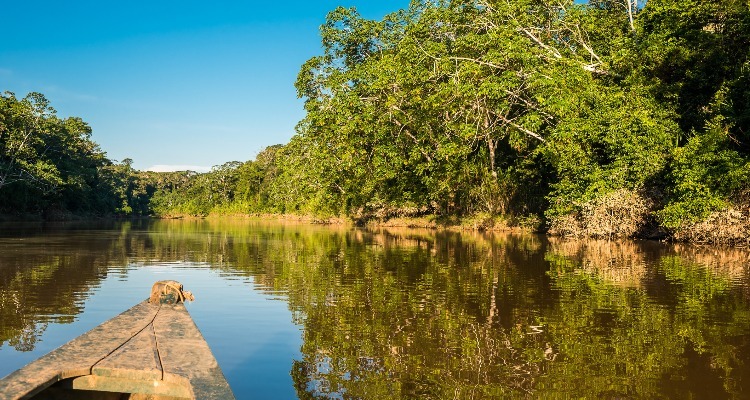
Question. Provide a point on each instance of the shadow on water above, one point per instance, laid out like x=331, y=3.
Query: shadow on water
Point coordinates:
x=397, y=313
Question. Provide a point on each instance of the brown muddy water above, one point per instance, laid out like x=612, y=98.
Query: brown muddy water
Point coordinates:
x=300, y=311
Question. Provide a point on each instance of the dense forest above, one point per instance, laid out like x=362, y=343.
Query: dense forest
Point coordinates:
x=612, y=118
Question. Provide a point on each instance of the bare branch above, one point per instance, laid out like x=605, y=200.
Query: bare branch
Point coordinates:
x=489, y=64
x=403, y=129
x=521, y=128
x=541, y=44
x=631, y=10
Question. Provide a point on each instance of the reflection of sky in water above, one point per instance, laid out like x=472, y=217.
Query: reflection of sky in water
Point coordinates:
x=250, y=333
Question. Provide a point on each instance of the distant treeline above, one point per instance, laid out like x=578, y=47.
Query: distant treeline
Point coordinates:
x=613, y=118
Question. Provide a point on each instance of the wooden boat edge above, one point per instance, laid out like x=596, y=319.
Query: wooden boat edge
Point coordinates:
x=180, y=340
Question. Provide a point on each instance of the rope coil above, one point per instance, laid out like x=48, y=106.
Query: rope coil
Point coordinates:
x=169, y=292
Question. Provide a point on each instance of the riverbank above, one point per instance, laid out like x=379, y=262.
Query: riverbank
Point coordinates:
x=63, y=216
x=475, y=223
x=728, y=227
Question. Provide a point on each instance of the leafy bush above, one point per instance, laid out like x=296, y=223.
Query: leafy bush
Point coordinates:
x=705, y=173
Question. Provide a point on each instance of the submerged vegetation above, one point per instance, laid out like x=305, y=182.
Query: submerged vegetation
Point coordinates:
x=615, y=118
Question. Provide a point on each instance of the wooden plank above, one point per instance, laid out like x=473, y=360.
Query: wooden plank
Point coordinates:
x=137, y=359
x=180, y=344
x=76, y=357
x=122, y=385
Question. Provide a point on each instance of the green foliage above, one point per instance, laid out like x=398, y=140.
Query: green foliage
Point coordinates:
x=230, y=188
x=45, y=162
x=705, y=172
x=444, y=105
x=619, y=140
x=423, y=107
x=517, y=110
x=695, y=56
x=50, y=166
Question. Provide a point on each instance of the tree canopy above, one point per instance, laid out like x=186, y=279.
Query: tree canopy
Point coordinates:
x=611, y=118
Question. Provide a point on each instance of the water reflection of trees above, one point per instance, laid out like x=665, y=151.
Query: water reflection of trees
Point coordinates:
x=45, y=277
x=411, y=319
x=445, y=315
x=428, y=314
x=404, y=313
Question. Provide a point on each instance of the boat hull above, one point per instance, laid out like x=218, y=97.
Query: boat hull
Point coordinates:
x=151, y=350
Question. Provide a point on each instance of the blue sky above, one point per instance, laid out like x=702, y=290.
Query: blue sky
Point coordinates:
x=169, y=83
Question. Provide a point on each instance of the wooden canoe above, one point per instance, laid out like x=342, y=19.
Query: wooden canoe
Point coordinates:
x=151, y=351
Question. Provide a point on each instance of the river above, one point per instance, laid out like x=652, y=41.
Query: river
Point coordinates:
x=309, y=311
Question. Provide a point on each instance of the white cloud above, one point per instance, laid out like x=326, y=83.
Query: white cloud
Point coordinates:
x=172, y=168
